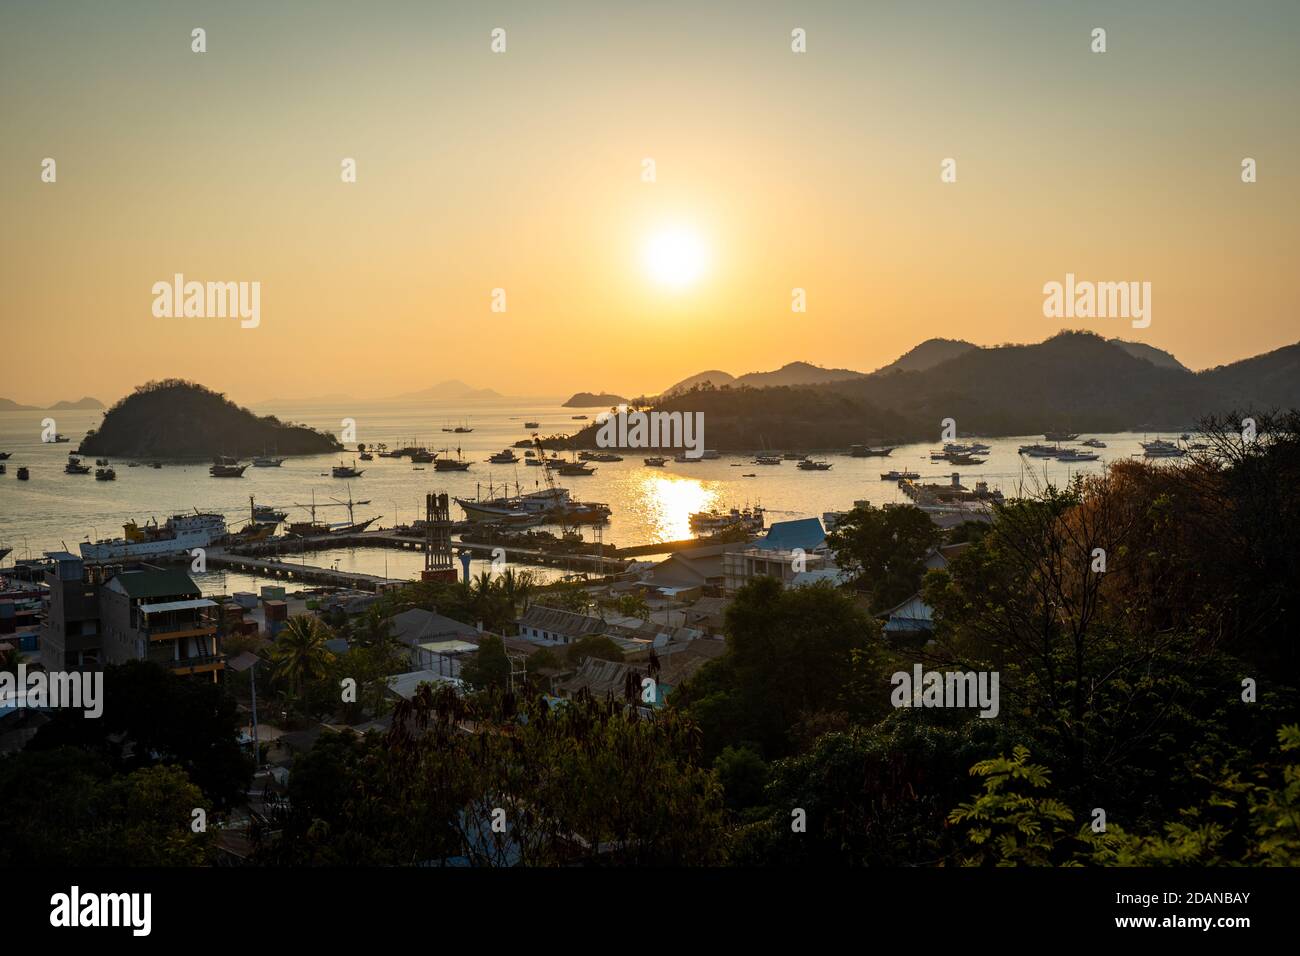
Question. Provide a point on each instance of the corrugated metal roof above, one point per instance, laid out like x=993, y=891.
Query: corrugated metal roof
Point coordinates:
x=806, y=533
x=177, y=605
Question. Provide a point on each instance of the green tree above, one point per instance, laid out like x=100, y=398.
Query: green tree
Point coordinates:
x=488, y=666
x=566, y=595
x=151, y=716
x=1009, y=824
x=300, y=654
x=790, y=655
x=593, y=645
x=885, y=550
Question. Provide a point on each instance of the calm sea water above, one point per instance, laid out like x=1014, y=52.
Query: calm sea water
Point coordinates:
x=54, y=510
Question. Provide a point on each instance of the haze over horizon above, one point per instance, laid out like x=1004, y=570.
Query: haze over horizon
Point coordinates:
x=523, y=171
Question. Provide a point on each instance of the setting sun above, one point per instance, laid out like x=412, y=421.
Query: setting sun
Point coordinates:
x=676, y=257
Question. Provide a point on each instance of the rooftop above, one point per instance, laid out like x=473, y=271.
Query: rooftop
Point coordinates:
x=155, y=584
x=805, y=533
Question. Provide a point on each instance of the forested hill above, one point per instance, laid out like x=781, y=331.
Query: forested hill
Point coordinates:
x=1074, y=380
x=178, y=419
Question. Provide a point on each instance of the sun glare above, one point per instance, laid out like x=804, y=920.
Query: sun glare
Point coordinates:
x=676, y=257
x=671, y=501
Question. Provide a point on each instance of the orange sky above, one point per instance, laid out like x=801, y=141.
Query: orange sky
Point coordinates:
x=522, y=171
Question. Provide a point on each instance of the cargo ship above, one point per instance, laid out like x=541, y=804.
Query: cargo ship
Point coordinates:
x=177, y=536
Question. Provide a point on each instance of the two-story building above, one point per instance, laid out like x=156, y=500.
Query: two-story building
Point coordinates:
x=789, y=548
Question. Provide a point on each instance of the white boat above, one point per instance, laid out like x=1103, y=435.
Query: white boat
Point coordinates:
x=514, y=507
x=177, y=536
x=267, y=462
x=1074, y=454
x=1040, y=451
x=1159, y=448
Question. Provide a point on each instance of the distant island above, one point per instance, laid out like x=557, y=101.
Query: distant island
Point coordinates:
x=594, y=400
x=452, y=390
x=177, y=419
x=7, y=405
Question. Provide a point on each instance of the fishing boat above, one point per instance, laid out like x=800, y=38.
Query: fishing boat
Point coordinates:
x=580, y=512
x=712, y=522
x=347, y=471
x=809, y=464
x=572, y=469
x=366, y=456
x=60, y=438
x=264, y=462
x=178, y=535
x=599, y=456
x=1094, y=443
x=101, y=462
x=75, y=467
x=963, y=459
x=707, y=454
x=23, y=474
x=1074, y=454
x=897, y=475
x=655, y=461
x=266, y=514
x=974, y=448
x=421, y=456
x=4, y=455
x=462, y=429
x=578, y=418
x=767, y=460
x=532, y=424
x=451, y=464
x=1038, y=450
x=504, y=457
x=313, y=528
x=1060, y=436
x=501, y=507
x=105, y=474
x=223, y=467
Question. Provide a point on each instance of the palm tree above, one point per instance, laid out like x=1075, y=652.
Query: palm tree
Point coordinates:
x=300, y=653
x=517, y=587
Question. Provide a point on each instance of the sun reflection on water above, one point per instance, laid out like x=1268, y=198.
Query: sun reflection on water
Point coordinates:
x=669, y=503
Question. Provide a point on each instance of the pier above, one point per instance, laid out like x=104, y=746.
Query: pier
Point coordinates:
x=235, y=561
x=252, y=554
